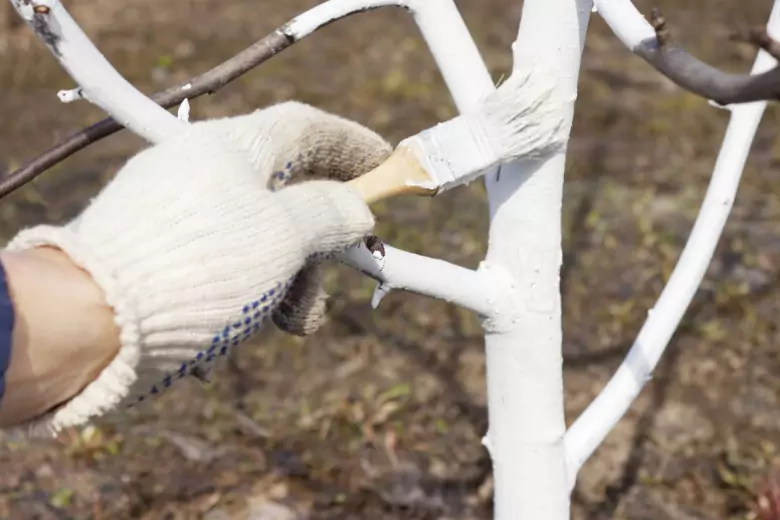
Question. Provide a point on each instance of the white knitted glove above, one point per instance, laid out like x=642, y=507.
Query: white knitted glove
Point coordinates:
x=193, y=248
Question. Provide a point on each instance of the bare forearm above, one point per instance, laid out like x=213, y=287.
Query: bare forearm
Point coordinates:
x=63, y=333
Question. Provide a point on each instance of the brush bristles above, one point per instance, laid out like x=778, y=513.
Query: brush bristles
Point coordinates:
x=524, y=117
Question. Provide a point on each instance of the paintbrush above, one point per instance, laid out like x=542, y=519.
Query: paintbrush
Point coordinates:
x=521, y=118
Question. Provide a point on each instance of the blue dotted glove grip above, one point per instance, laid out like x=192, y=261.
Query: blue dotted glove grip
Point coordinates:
x=236, y=332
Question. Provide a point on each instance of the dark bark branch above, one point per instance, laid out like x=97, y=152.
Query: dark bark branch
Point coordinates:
x=206, y=83
x=696, y=76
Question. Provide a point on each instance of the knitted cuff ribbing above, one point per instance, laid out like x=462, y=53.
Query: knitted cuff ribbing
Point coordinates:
x=113, y=384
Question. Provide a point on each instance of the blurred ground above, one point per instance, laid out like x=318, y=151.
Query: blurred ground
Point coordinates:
x=379, y=415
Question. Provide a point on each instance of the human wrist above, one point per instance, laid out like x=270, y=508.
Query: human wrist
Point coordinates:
x=175, y=317
x=64, y=333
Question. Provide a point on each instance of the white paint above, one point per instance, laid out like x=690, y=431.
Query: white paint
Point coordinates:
x=326, y=12
x=454, y=50
x=427, y=276
x=184, y=111
x=100, y=82
x=469, y=82
x=524, y=362
x=455, y=152
x=381, y=290
x=525, y=393
x=626, y=21
x=599, y=418
x=523, y=118
x=69, y=96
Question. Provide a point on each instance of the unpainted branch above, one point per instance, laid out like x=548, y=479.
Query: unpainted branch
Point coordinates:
x=663, y=53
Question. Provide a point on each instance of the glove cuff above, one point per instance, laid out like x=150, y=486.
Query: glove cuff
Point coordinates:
x=113, y=384
x=162, y=338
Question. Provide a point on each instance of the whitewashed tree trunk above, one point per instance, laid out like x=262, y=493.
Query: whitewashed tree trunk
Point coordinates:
x=524, y=360
x=516, y=289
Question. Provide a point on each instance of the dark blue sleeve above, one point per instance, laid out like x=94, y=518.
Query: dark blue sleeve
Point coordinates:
x=6, y=328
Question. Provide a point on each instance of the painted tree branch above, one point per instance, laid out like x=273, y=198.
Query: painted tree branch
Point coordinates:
x=454, y=51
x=590, y=429
x=397, y=269
x=206, y=83
x=654, y=44
x=99, y=82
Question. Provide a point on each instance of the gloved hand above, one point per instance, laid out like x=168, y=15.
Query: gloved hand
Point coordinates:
x=194, y=244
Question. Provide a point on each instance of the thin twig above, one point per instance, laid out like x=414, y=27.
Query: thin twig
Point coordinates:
x=661, y=29
x=206, y=83
x=696, y=76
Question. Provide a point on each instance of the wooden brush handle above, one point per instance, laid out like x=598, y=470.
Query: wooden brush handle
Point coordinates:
x=400, y=174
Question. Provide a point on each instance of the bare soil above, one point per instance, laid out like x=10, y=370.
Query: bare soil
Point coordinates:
x=379, y=416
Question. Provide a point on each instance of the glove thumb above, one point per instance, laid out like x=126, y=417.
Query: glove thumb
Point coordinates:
x=329, y=216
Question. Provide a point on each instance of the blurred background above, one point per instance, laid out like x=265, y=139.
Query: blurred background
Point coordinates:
x=379, y=415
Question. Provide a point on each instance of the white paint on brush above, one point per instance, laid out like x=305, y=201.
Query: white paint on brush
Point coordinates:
x=523, y=118
x=453, y=153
